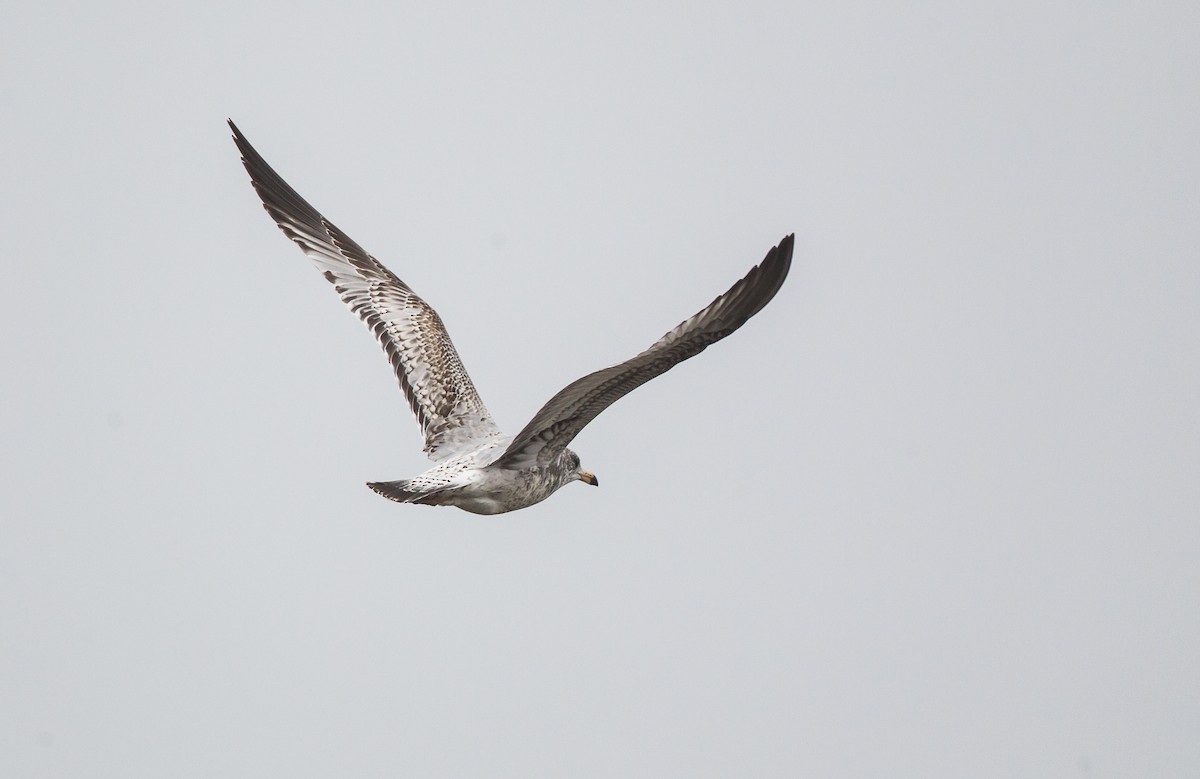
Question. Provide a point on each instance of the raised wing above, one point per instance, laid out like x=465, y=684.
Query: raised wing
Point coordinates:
x=561, y=419
x=438, y=389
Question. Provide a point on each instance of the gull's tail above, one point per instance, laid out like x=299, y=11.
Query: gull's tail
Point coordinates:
x=402, y=491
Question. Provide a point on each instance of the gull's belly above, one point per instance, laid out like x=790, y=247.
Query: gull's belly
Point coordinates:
x=495, y=491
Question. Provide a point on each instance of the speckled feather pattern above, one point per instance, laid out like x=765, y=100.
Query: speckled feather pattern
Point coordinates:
x=469, y=482
x=477, y=468
x=431, y=375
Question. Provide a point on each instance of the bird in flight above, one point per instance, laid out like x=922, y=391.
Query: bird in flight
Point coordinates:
x=477, y=467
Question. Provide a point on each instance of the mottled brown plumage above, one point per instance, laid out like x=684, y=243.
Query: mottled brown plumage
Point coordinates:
x=477, y=468
x=435, y=383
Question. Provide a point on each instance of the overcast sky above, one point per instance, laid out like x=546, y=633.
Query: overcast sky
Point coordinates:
x=935, y=512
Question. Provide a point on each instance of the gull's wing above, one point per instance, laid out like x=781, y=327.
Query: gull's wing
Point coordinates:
x=561, y=419
x=433, y=378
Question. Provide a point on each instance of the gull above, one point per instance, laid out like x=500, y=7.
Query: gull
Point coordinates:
x=477, y=467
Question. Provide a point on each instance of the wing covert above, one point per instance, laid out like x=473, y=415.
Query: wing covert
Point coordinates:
x=558, y=422
x=431, y=375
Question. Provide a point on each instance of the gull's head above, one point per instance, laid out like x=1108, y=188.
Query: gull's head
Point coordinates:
x=576, y=472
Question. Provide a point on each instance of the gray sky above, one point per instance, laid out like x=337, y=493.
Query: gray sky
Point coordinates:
x=934, y=512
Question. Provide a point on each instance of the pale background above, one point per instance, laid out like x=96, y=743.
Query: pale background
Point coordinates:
x=934, y=513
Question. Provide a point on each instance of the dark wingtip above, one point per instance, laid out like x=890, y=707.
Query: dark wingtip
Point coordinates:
x=765, y=279
x=782, y=251
x=788, y=241
x=247, y=151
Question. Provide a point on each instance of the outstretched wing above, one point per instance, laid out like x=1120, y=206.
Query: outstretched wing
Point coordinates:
x=442, y=397
x=561, y=419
